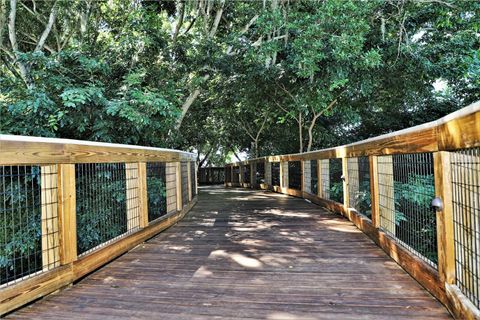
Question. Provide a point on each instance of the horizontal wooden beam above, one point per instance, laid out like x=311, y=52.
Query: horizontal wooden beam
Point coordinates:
x=19, y=150
x=458, y=130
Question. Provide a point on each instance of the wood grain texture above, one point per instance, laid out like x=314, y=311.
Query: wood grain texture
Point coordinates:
x=445, y=228
x=18, y=150
x=67, y=214
x=243, y=254
x=26, y=291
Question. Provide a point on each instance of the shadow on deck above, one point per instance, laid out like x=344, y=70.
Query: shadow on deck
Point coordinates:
x=248, y=254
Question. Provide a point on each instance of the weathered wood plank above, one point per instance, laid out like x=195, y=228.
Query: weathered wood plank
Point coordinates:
x=268, y=255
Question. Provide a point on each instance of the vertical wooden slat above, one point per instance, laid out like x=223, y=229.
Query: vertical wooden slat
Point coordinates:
x=346, y=194
x=178, y=184
x=143, y=193
x=133, y=196
x=445, y=237
x=171, y=185
x=67, y=213
x=386, y=191
x=268, y=173
x=253, y=174
x=49, y=219
x=374, y=191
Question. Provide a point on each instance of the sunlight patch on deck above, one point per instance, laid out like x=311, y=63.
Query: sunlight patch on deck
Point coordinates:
x=238, y=258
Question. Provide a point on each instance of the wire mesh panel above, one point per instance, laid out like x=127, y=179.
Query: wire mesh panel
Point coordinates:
x=466, y=216
x=260, y=175
x=406, y=189
x=336, y=182
x=325, y=167
x=275, y=166
x=359, y=185
x=29, y=239
x=101, y=193
x=184, y=172
x=314, y=176
x=246, y=173
x=156, y=190
x=236, y=174
x=295, y=175
x=193, y=177
x=228, y=174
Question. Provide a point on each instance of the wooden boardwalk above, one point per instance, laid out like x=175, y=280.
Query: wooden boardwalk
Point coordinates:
x=243, y=254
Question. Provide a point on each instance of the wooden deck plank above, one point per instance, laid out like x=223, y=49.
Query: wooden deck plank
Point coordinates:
x=243, y=254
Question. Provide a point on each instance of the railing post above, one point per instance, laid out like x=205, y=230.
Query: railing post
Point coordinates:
x=268, y=173
x=178, y=184
x=49, y=218
x=171, y=185
x=134, y=201
x=253, y=174
x=386, y=194
x=67, y=213
x=445, y=229
x=374, y=191
x=346, y=195
x=143, y=194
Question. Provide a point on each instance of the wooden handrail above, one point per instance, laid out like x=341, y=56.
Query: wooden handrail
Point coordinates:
x=457, y=131
x=20, y=150
x=59, y=158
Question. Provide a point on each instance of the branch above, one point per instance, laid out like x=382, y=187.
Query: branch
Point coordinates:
x=48, y=28
x=244, y=30
x=216, y=22
x=180, y=20
x=244, y=127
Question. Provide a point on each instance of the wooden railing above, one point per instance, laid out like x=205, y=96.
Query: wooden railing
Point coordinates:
x=415, y=192
x=67, y=207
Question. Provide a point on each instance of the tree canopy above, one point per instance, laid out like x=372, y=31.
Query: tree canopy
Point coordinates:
x=223, y=77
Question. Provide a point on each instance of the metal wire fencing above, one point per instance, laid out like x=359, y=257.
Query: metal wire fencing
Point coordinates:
x=275, y=167
x=335, y=180
x=325, y=174
x=246, y=173
x=228, y=174
x=406, y=189
x=295, y=175
x=184, y=173
x=359, y=185
x=29, y=237
x=465, y=177
x=156, y=190
x=314, y=176
x=236, y=174
x=101, y=193
x=260, y=175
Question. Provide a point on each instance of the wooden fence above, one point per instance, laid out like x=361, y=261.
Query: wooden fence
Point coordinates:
x=415, y=192
x=67, y=207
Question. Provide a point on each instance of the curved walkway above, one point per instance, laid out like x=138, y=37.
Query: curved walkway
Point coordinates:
x=242, y=254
